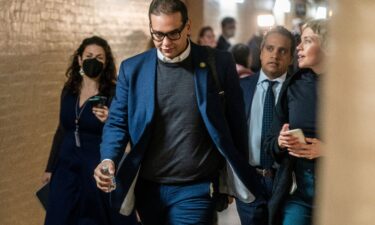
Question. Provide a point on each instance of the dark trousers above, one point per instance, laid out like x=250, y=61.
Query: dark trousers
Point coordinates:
x=255, y=213
x=160, y=204
x=74, y=198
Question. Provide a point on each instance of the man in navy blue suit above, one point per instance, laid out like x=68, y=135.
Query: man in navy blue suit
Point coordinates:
x=260, y=95
x=182, y=127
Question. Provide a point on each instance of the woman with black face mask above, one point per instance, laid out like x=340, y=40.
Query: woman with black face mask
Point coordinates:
x=74, y=197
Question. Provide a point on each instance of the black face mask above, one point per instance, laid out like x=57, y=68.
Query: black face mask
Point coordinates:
x=92, y=67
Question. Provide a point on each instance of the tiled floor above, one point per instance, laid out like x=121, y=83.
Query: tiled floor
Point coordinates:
x=229, y=216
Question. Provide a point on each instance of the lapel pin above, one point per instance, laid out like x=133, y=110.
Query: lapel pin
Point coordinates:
x=202, y=65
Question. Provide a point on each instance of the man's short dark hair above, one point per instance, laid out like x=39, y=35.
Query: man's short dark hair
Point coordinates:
x=158, y=7
x=226, y=21
x=282, y=31
x=241, y=54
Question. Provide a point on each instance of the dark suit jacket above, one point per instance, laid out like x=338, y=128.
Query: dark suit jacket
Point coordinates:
x=222, y=44
x=283, y=179
x=248, y=85
x=59, y=136
x=132, y=110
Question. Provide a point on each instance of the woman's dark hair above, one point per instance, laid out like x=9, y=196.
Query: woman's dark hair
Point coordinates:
x=241, y=54
x=168, y=7
x=107, y=79
x=203, y=31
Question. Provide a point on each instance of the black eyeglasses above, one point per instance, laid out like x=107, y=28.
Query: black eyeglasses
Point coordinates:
x=172, y=35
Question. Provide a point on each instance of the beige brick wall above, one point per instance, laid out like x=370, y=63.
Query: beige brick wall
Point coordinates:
x=37, y=38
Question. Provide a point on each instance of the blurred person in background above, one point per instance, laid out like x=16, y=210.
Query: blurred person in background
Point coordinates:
x=241, y=55
x=206, y=37
x=254, y=45
x=228, y=30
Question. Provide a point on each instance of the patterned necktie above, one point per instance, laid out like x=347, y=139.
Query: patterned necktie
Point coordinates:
x=266, y=160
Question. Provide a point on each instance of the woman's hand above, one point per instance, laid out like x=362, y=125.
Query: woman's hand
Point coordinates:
x=286, y=140
x=46, y=178
x=310, y=150
x=101, y=113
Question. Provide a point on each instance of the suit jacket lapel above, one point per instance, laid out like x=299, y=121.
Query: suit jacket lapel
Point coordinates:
x=249, y=94
x=200, y=77
x=141, y=110
x=211, y=113
x=144, y=97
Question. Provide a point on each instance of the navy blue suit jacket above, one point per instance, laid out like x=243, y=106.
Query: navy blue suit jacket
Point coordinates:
x=283, y=179
x=248, y=85
x=222, y=44
x=132, y=110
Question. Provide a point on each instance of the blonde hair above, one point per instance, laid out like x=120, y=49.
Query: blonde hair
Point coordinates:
x=320, y=28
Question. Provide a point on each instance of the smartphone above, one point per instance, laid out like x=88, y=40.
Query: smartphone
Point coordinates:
x=298, y=133
x=98, y=101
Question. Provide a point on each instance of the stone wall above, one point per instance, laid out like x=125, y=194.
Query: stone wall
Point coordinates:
x=37, y=38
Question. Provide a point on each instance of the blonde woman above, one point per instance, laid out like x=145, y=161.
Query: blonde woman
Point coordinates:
x=294, y=185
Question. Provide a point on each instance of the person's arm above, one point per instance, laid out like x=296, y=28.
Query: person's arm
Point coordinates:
x=312, y=149
x=55, y=149
x=57, y=140
x=115, y=132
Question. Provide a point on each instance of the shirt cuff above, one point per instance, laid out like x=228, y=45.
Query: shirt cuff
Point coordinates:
x=108, y=160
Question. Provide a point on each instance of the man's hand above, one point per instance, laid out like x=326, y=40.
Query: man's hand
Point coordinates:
x=104, y=181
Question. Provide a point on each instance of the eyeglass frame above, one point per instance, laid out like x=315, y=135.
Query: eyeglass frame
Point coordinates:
x=176, y=31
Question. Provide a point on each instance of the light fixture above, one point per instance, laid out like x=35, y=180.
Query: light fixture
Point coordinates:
x=230, y=1
x=330, y=13
x=321, y=13
x=282, y=6
x=266, y=20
